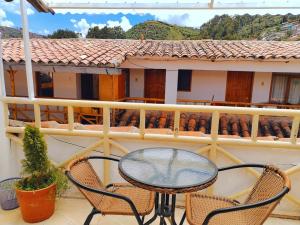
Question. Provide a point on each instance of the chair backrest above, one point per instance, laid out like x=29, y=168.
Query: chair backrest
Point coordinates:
x=82, y=171
x=271, y=183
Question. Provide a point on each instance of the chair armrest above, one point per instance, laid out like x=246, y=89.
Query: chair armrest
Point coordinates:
x=242, y=166
x=103, y=157
x=246, y=206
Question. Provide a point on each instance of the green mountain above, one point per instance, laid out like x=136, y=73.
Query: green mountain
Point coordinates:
x=157, y=30
x=224, y=27
x=260, y=27
x=9, y=32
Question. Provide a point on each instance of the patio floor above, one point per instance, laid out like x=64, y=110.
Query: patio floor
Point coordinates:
x=74, y=211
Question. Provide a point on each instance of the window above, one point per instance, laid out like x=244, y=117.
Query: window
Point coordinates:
x=44, y=83
x=285, y=89
x=184, y=80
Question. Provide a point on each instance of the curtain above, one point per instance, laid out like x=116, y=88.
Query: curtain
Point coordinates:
x=279, y=88
x=294, y=92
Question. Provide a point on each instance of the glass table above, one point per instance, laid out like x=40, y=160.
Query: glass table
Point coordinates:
x=167, y=171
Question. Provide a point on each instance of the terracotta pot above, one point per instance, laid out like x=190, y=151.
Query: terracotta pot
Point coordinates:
x=37, y=205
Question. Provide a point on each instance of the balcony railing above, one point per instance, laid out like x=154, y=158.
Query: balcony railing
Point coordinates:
x=212, y=143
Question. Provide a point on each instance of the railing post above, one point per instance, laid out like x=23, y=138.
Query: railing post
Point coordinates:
x=295, y=129
x=254, y=128
x=71, y=117
x=176, y=123
x=5, y=115
x=212, y=154
x=106, y=127
x=142, y=122
x=37, y=115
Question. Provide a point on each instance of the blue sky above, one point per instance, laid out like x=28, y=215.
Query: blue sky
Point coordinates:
x=81, y=21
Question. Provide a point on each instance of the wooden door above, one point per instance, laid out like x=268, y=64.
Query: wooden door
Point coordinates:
x=111, y=87
x=239, y=86
x=155, y=81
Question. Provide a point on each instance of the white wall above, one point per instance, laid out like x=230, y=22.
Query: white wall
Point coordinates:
x=261, y=87
x=65, y=85
x=205, y=85
x=137, y=83
x=171, y=86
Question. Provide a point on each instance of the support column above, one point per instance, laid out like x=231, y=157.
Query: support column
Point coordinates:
x=4, y=142
x=28, y=63
x=171, y=86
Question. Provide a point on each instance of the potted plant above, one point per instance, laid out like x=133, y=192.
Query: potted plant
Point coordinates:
x=41, y=181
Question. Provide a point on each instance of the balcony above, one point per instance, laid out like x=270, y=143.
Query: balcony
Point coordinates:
x=107, y=139
x=256, y=135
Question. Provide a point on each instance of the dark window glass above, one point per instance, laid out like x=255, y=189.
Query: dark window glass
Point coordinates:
x=44, y=84
x=184, y=80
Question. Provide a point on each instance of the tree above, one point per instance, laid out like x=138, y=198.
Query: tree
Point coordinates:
x=106, y=33
x=60, y=33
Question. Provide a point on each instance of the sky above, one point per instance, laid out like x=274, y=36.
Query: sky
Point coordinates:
x=80, y=21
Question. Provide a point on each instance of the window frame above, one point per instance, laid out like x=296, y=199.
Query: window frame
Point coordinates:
x=289, y=76
x=38, y=84
x=189, y=89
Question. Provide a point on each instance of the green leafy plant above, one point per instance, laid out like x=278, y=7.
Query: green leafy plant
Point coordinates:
x=37, y=170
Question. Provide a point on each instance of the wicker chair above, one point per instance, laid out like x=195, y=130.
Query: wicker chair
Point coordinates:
x=114, y=199
x=272, y=185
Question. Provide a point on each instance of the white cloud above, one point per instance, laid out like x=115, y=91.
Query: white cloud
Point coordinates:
x=4, y=21
x=83, y=26
x=30, y=11
x=45, y=31
x=124, y=23
x=14, y=7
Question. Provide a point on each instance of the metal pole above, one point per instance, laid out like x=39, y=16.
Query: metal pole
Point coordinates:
x=2, y=80
x=5, y=159
x=26, y=40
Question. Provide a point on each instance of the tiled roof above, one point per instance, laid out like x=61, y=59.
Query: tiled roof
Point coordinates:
x=96, y=52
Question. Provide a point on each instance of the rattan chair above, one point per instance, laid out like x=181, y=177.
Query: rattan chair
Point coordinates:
x=113, y=199
x=272, y=185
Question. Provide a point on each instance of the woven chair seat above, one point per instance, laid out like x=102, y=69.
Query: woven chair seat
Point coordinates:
x=269, y=189
x=142, y=199
x=201, y=205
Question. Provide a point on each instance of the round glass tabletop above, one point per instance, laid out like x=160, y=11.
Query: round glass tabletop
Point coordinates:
x=167, y=168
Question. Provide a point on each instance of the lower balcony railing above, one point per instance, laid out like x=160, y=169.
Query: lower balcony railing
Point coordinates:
x=211, y=143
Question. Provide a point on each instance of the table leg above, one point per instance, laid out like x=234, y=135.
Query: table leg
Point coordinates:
x=163, y=209
x=173, y=207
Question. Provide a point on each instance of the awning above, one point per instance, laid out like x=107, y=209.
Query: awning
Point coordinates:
x=40, y=6
x=173, y=4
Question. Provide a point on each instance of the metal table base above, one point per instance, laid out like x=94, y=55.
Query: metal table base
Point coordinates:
x=165, y=205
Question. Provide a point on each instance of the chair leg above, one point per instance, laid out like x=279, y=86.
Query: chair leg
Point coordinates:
x=183, y=218
x=90, y=216
x=143, y=219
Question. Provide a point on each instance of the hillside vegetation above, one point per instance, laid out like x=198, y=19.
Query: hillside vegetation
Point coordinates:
x=9, y=32
x=161, y=31
x=224, y=27
x=261, y=27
